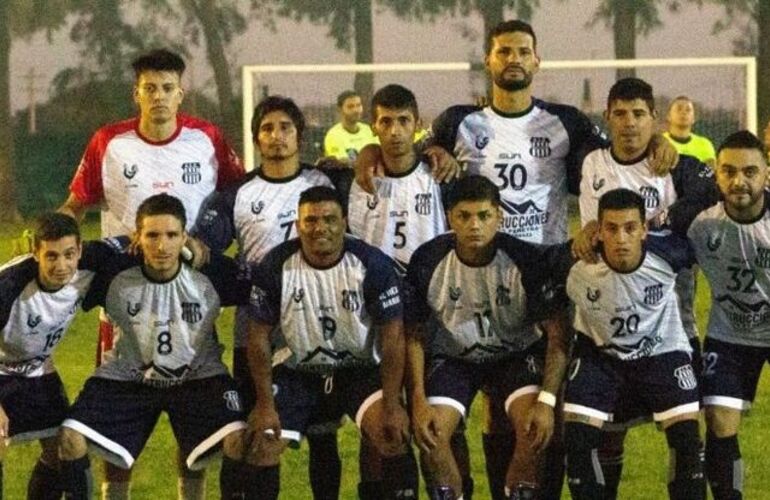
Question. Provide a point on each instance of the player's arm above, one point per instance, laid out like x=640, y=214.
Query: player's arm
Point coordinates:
x=696, y=191
x=584, y=244
x=73, y=207
x=393, y=349
x=263, y=419
x=423, y=417
x=661, y=155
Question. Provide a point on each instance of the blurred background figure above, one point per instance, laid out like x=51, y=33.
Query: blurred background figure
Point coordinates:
x=681, y=118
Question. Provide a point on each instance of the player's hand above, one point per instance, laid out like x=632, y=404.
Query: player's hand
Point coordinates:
x=201, y=254
x=368, y=165
x=584, y=244
x=443, y=166
x=662, y=156
x=539, y=425
x=263, y=423
x=395, y=429
x=424, y=426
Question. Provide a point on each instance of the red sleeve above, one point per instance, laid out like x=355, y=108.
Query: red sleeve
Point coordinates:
x=87, y=183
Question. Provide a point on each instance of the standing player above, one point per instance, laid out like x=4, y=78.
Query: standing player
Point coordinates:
x=485, y=290
x=337, y=301
x=732, y=245
x=167, y=357
x=160, y=151
x=630, y=342
x=681, y=118
x=345, y=139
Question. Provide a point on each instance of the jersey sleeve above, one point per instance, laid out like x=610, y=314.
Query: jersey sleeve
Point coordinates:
x=231, y=280
x=419, y=273
x=443, y=130
x=266, y=284
x=696, y=190
x=229, y=166
x=382, y=289
x=87, y=185
x=216, y=222
x=587, y=202
x=673, y=248
x=13, y=278
x=101, y=256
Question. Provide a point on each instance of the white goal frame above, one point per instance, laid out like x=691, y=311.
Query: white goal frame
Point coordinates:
x=248, y=72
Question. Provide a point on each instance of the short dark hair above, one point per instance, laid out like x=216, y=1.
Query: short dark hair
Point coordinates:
x=621, y=199
x=317, y=194
x=158, y=60
x=345, y=95
x=52, y=226
x=277, y=103
x=680, y=98
x=628, y=89
x=161, y=204
x=511, y=26
x=743, y=139
x=473, y=188
x=394, y=96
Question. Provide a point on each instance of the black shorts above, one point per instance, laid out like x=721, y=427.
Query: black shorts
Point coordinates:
x=731, y=373
x=302, y=398
x=117, y=417
x=664, y=385
x=35, y=406
x=454, y=382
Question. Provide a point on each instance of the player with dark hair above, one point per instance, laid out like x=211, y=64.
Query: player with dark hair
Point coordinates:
x=345, y=139
x=160, y=150
x=486, y=291
x=681, y=118
x=732, y=245
x=167, y=357
x=631, y=345
x=337, y=302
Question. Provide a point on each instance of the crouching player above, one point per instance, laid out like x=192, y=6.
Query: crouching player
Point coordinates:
x=485, y=290
x=631, y=341
x=167, y=358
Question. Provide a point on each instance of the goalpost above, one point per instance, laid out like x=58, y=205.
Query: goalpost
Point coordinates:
x=723, y=88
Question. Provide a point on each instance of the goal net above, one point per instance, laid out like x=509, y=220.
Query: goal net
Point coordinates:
x=723, y=90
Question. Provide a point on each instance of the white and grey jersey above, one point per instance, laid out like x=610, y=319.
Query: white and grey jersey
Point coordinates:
x=635, y=314
x=533, y=157
x=735, y=257
x=488, y=312
x=167, y=328
x=403, y=213
x=328, y=317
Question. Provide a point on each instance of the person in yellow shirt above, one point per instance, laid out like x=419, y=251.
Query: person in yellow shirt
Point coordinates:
x=681, y=118
x=345, y=139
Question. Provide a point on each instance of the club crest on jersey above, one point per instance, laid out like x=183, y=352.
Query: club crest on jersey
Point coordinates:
x=133, y=309
x=502, y=297
x=763, y=258
x=191, y=312
x=372, y=201
x=651, y=197
x=350, y=300
x=422, y=203
x=191, y=172
x=232, y=400
x=257, y=207
x=597, y=184
x=653, y=294
x=130, y=171
x=455, y=292
x=481, y=142
x=685, y=378
x=540, y=147
x=298, y=294
x=33, y=321
x=714, y=242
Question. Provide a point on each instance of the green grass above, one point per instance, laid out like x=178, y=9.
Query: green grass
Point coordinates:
x=644, y=477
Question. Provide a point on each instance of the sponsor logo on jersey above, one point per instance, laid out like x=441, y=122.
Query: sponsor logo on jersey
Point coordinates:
x=298, y=294
x=288, y=213
x=422, y=203
x=593, y=294
x=191, y=172
x=350, y=300
x=191, y=312
x=653, y=294
x=597, y=184
x=714, y=242
x=390, y=297
x=161, y=186
x=744, y=315
x=257, y=207
x=540, y=147
x=651, y=197
x=372, y=201
x=133, y=309
x=523, y=219
x=352, y=154
x=232, y=400
x=130, y=171
x=33, y=321
x=481, y=142
x=502, y=297
x=455, y=292
x=685, y=378
x=763, y=258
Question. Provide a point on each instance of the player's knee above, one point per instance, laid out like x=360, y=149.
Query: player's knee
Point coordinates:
x=72, y=444
x=232, y=445
x=266, y=452
x=722, y=422
x=49, y=451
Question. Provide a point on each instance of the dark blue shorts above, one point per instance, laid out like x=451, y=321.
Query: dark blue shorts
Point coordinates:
x=35, y=406
x=664, y=385
x=303, y=398
x=117, y=417
x=731, y=373
x=454, y=382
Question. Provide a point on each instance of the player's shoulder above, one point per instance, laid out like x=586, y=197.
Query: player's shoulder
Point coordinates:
x=688, y=162
x=18, y=272
x=671, y=247
x=193, y=122
x=107, y=132
x=369, y=255
x=454, y=115
x=563, y=111
x=434, y=249
x=276, y=256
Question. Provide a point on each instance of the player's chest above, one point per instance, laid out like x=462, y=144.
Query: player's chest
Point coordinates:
x=39, y=317
x=337, y=292
x=658, y=192
x=735, y=258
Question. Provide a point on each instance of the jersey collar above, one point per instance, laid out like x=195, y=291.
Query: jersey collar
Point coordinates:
x=513, y=115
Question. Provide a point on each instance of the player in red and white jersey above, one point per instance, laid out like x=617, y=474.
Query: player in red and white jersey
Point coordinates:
x=160, y=150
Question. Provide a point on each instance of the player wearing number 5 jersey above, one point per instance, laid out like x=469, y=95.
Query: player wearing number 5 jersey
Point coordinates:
x=167, y=359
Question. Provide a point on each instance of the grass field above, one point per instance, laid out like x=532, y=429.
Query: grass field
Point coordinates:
x=644, y=477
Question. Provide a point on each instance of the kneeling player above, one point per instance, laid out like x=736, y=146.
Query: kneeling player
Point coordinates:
x=630, y=340
x=167, y=358
x=485, y=290
x=337, y=301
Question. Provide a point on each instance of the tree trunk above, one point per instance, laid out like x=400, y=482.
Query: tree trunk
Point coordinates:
x=362, y=29
x=763, y=65
x=8, y=208
x=624, y=34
